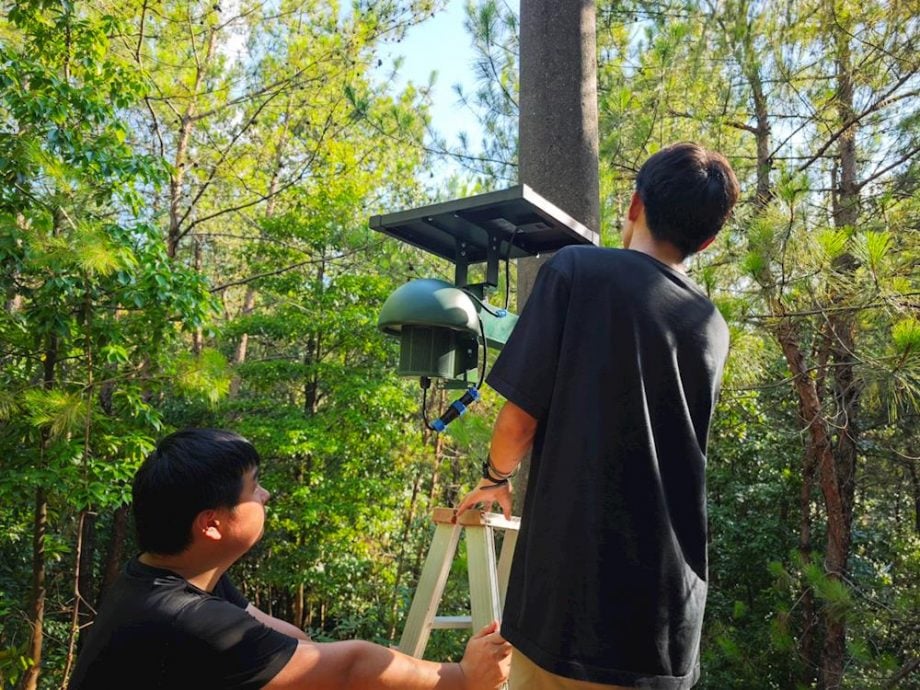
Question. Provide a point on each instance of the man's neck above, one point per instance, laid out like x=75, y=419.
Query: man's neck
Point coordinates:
x=203, y=576
x=665, y=252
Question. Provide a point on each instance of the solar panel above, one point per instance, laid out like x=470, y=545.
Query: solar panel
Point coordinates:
x=510, y=223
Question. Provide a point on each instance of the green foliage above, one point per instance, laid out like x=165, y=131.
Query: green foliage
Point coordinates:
x=905, y=335
x=13, y=662
x=833, y=592
x=204, y=374
x=733, y=76
x=57, y=410
x=833, y=242
x=184, y=241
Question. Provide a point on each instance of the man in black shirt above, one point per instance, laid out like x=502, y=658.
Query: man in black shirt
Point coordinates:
x=611, y=376
x=174, y=620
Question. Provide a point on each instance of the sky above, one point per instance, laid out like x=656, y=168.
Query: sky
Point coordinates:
x=439, y=45
x=442, y=45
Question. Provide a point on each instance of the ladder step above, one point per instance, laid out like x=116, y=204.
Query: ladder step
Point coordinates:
x=451, y=622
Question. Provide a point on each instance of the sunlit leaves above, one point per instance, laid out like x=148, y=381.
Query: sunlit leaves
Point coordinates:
x=905, y=334
x=873, y=248
x=831, y=590
x=204, y=375
x=749, y=359
x=833, y=242
x=58, y=411
x=86, y=249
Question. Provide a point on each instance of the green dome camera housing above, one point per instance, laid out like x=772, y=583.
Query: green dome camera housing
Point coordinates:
x=438, y=327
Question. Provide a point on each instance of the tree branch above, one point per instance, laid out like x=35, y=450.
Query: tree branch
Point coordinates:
x=885, y=100
x=878, y=173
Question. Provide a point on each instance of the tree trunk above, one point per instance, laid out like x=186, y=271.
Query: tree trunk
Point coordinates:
x=82, y=587
x=249, y=300
x=846, y=388
x=298, y=614
x=86, y=582
x=401, y=560
x=242, y=347
x=115, y=555
x=808, y=392
x=198, y=337
x=819, y=445
x=176, y=183
x=29, y=680
x=12, y=301
x=762, y=136
x=915, y=485
x=557, y=127
x=807, y=640
x=181, y=162
x=312, y=357
x=311, y=384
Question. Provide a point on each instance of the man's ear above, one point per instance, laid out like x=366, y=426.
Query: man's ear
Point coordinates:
x=207, y=524
x=706, y=243
x=635, y=207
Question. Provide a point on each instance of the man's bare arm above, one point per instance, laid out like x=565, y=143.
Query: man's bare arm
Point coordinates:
x=359, y=665
x=512, y=437
x=276, y=623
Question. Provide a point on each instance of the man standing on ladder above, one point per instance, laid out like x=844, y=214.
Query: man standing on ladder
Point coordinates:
x=611, y=377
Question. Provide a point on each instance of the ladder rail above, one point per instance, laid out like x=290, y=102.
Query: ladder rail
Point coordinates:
x=483, y=576
x=488, y=579
x=429, y=591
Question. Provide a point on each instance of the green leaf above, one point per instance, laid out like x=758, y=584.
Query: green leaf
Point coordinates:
x=875, y=247
x=207, y=375
x=739, y=610
x=8, y=405
x=56, y=410
x=832, y=591
x=754, y=264
x=833, y=242
x=780, y=636
x=906, y=335
x=95, y=253
x=115, y=354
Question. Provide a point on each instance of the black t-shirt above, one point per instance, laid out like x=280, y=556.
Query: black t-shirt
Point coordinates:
x=620, y=358
x=155, y=630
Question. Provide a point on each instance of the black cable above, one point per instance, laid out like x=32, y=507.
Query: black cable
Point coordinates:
x=485, y=354
x=485, y=307
x=501, y=313
x=507, y=267
x=425, y=382
x=461, y=404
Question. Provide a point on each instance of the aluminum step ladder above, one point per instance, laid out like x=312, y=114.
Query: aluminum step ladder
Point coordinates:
x=488, y=576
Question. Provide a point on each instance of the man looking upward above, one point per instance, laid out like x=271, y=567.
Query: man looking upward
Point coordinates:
x=610, y=377
x=174, y=620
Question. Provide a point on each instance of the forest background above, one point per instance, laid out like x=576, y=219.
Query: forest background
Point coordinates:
x=184, y=195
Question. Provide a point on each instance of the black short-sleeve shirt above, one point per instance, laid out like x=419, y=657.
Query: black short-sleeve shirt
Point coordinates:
x=155, y=630
x=619, y=357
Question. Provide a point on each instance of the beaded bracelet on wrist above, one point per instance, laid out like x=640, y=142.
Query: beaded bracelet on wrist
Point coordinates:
x=494, y=471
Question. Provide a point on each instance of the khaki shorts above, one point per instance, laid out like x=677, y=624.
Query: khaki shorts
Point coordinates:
x=526, y=675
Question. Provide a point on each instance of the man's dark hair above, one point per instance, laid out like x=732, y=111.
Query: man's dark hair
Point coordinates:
x=189, y=471
x=688, y=193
